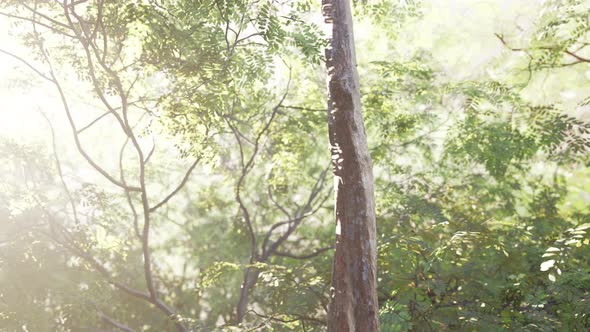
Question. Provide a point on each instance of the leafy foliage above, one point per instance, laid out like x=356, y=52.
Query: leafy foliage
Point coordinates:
x=481, y=190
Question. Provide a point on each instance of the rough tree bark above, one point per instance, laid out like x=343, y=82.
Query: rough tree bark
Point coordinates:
x=353, y=304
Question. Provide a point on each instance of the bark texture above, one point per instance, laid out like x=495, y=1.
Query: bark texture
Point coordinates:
x=354, y=305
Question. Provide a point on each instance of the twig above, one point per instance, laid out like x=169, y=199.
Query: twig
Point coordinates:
x=179, y=187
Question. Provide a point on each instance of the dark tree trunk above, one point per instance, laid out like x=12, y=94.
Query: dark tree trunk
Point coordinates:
x=250, y=279
x=353, y=304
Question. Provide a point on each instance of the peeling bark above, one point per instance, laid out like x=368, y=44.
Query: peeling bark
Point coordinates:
x=354, y=305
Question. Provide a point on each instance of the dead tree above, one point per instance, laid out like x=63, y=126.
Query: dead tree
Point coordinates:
x=353, y=304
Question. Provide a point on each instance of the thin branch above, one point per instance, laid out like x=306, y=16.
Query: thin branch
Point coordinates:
x=503, y=41
x=75, y=3
x=151, y=153
x=284, y=320
x=109, y=320
x=38, y=23
x=311, y=255
x=104, y=115
x=35, y=12
x=179, y=187
x=581, y=59
x=26, y=63
x=79, y=144
x=277, y=204
x=300, y=216
x=93, y=122
x=301, y=108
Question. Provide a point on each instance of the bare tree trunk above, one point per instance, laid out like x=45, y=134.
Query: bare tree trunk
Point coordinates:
x=353, y=304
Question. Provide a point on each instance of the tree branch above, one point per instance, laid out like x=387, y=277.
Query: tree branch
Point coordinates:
x=26, y=63
x=109, y=320
x=179, y=187
x=579, y=58
x=311, y=255
x=22, y=18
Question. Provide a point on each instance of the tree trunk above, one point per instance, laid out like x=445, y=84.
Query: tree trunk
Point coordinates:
x=353, y=304
x=250, y=279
